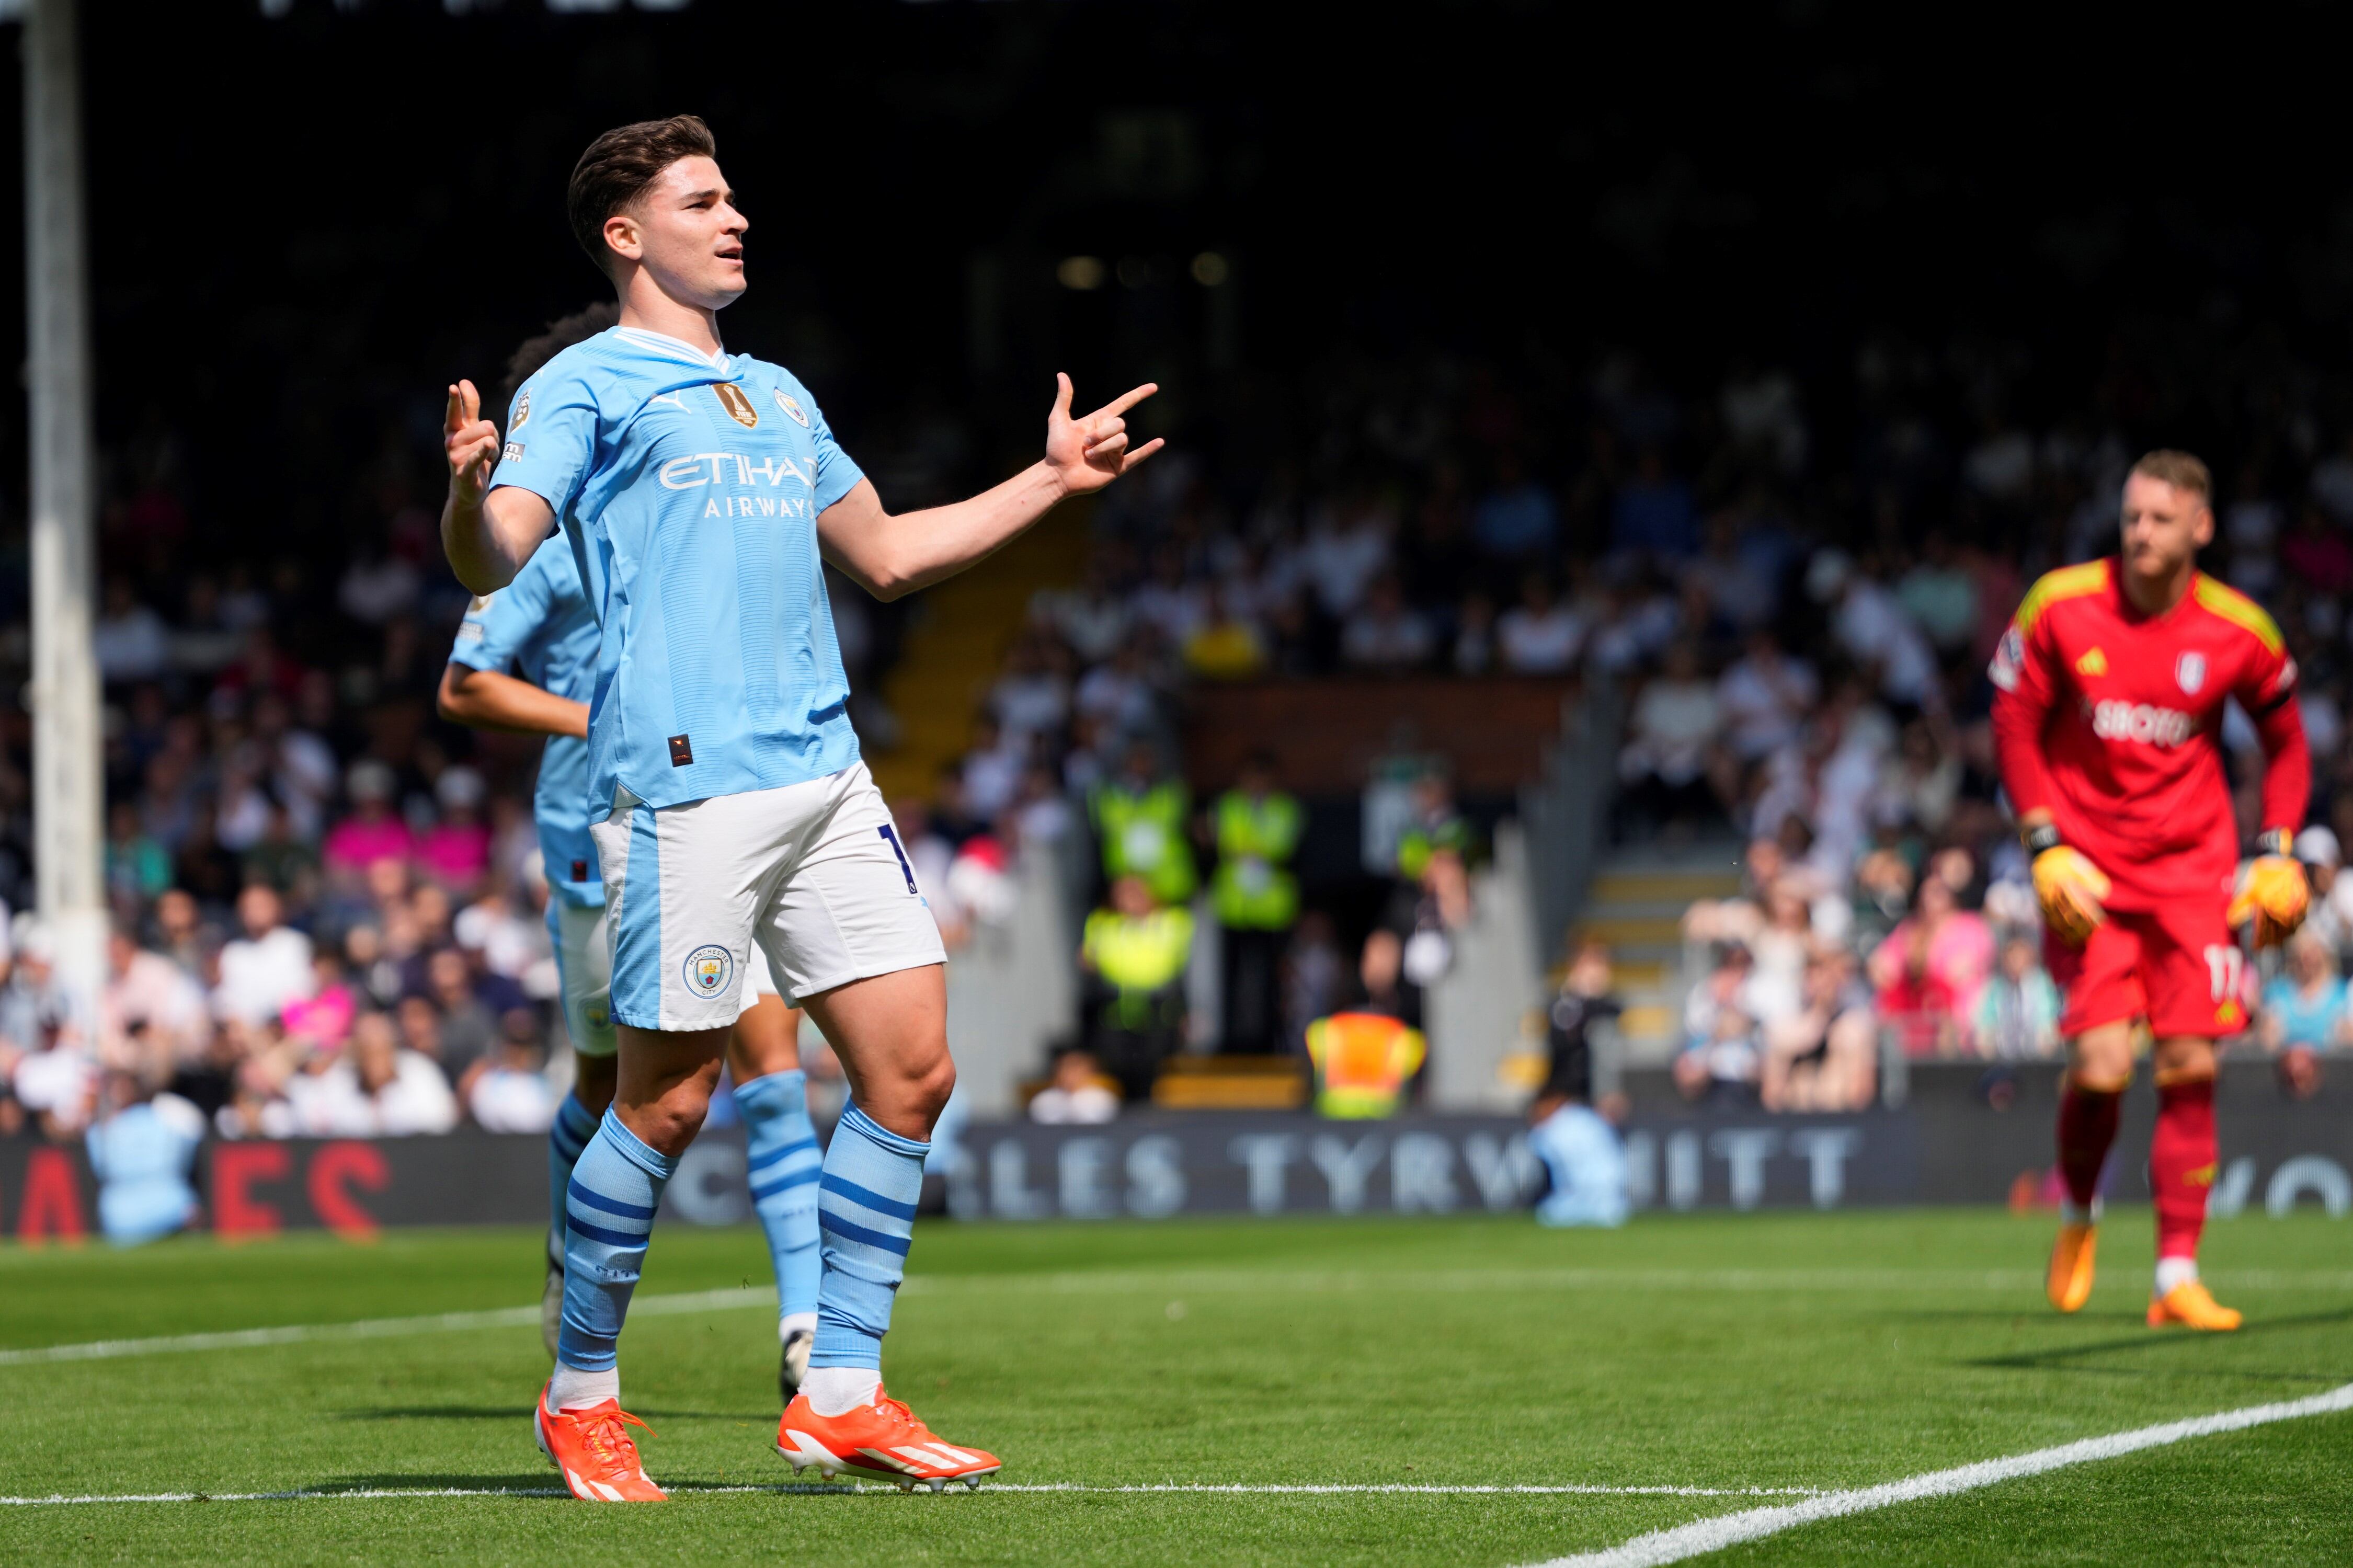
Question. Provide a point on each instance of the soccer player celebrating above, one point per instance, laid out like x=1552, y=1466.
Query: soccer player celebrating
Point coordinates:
x=698, y=490
x=2107, y=719
x=525, y=660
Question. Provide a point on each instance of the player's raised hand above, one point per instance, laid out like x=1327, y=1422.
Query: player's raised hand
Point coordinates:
x=1088, y=453
x=471, y=444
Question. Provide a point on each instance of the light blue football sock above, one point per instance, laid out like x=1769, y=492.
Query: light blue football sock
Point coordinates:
x=866, y=1216
x=783, y=1162
x=572, y=1128
x=608, y=1219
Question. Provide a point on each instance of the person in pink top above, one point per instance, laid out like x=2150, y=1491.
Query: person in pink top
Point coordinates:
x=372, y=832
x=323, y=1018
x=455, y=851
x=1931, y=967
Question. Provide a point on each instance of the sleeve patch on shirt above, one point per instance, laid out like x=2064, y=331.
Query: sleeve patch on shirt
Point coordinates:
x=2008, y=660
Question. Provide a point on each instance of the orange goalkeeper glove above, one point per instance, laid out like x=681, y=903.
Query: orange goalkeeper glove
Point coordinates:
x=2069, y=889
x=2273, y=894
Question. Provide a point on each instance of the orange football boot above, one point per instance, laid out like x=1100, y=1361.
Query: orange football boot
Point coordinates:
x=2193, y=1306
x=593, y=1447
x=2069, y=1284
x=882, y=1441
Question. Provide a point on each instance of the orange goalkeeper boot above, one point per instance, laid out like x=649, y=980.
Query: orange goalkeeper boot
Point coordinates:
x=592, y=1448
x=2069, y=1284
x=2193, y=1306
x=882, y=1441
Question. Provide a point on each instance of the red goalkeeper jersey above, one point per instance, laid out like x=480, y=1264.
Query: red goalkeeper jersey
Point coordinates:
x=2112, y=720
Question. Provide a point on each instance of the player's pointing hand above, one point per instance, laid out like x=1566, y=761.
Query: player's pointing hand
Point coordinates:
x=1088, y=453
x=471, y=443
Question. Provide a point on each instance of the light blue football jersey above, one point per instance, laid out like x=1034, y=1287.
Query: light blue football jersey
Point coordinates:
x=539, y=627
x=689, y=488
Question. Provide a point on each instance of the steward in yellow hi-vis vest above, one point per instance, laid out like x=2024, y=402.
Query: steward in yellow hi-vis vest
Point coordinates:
x=1133, y=956
x=1140, y=957
x=1363, y=1061
x=1256, y=896
x=1141, y=822
x=1257, y=832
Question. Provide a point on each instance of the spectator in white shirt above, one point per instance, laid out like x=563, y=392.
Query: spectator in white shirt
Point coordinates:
x=510, y=943
x=1539, y=636
x=151, y=1016
x=512, y=1094
x=1766, y=696
x=1169, y=602
x=1867, y=621
x=1092, y=618
x=1385, y=632
x=1674, y=727
x=266, y=968
x=1033, y=696
x=1344, y=550
x=1119, y=694
x=378, y=1090
x=1077, y=1096
x=992, y=768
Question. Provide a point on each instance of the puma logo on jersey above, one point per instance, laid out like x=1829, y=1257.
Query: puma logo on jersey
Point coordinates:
x=2142, y=722
x=2093, y=663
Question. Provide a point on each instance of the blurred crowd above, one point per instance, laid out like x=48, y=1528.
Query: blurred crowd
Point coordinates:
x=327, y=902
x=327, y=905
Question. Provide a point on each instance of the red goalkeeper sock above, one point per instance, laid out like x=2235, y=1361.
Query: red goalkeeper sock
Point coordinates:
x=2087, y=1126
x=2181, y=1158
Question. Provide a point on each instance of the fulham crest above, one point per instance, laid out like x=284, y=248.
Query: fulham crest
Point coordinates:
x=2191, y=672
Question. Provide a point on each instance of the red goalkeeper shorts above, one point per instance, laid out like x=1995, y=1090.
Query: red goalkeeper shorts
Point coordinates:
x=2177, y=966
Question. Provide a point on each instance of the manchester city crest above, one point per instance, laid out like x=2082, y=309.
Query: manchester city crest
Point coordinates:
x=708, y=970
x=791, y=406
x=2191, y=672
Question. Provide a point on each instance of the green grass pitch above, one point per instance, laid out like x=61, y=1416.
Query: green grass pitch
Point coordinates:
x=1721, y=1353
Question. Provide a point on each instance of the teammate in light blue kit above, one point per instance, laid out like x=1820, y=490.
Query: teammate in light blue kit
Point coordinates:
x=525, y=658
x=698, y=491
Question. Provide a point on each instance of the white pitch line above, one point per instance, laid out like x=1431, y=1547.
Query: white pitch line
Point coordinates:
x=1117, y=1282
x=1706, y=1535
x=1270, y=1489
x=368, y=1328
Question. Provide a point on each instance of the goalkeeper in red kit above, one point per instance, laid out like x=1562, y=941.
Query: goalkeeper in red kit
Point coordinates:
x=2107, y=717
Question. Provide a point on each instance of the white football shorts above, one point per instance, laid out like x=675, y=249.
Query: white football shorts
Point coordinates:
x=584, y=959
x=759, y=980
x=813, y=873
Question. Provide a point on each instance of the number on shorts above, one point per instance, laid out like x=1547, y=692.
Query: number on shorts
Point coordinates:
x=890, y=837
x=2224, y=964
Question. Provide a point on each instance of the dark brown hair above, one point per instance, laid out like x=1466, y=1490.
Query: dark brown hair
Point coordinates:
x=620, y=166
x=2179, y=469
x=561, y=334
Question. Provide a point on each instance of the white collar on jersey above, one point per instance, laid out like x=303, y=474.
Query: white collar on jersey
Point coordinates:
x=640, y=336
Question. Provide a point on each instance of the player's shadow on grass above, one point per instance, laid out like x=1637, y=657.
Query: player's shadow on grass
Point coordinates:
x=2060, y=1355
x=511, y=1413
x=527, y=1483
